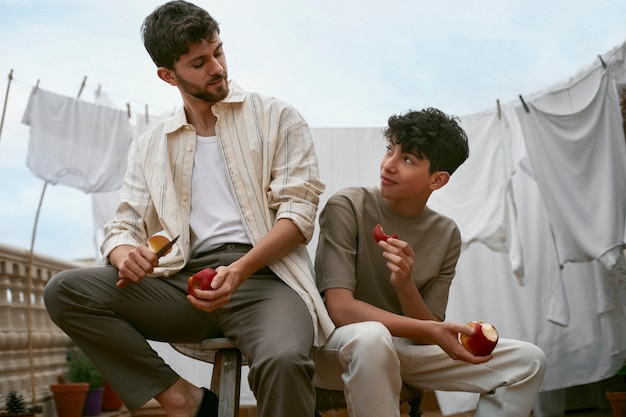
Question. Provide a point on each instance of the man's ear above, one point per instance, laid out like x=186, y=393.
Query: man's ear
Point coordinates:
x=439, y=179
x=167, y=76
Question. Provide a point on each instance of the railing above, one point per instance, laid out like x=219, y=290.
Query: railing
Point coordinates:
x=32, y=347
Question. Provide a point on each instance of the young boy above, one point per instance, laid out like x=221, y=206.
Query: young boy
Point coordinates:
x=388, y=299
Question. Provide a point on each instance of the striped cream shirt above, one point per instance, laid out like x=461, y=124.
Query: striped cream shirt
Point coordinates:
x=273, y=172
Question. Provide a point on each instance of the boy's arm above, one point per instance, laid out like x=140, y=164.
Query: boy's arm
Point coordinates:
x=345, y=309
x=400, y=259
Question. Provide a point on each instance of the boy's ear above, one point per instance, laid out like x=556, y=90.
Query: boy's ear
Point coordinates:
x=439, y=179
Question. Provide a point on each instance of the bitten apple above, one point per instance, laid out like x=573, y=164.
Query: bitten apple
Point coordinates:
x=200, y=280
x=379, y=234
x=156, y=242
x=483, y=341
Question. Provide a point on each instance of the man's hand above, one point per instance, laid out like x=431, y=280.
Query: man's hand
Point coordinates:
x=133, y=263
x=223, y=286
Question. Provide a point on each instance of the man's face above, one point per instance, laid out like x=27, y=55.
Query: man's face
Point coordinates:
x=201, y=72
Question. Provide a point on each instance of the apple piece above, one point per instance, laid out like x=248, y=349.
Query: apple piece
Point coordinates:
x=379, y=234
x=200, y=280
x=156, y=242
x=483, y=341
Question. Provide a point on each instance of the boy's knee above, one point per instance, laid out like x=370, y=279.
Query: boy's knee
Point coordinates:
x=371, y=340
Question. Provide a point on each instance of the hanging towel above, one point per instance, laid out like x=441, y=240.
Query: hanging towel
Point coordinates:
x=76, y=143
x=576, y=149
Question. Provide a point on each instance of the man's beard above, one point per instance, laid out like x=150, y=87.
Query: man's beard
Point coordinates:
x=200, y=92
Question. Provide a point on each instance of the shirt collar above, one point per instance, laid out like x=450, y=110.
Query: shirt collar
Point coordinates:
x=235, y=95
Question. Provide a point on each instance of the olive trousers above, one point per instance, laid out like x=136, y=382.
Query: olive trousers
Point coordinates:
x=267, y=319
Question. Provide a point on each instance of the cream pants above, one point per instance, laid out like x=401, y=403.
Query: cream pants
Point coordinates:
x=370, y=365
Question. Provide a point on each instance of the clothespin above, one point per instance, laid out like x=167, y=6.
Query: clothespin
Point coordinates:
x=82, y=86
x=524, y=104
x=128, y=109
x=147, y=117
x=499, y=111
x=36, y=87
x=602, y=61
x=98, y=90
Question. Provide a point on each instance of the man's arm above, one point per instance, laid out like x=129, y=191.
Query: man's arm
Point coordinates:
x=400, y=259
x=279, y=241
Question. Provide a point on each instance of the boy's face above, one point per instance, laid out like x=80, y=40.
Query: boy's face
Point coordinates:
x=406, y=181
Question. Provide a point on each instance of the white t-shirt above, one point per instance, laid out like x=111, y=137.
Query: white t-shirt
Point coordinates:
x=214, y=218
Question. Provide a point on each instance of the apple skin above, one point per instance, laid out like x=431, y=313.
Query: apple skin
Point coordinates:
x=200, y=280
x=379, y=234
x=156, y=242
x=483, y=341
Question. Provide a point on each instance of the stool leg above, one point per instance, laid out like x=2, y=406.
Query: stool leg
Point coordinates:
x=415, y=404
x=226, y=381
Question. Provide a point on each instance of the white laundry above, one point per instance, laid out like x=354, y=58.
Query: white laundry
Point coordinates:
x=479, y=197
x=76, y=143
x=576, y=149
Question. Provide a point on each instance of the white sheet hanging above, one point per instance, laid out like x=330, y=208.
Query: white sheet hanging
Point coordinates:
x=479, y=196
x=75, y=143
x=576, y=149
x=104, y=204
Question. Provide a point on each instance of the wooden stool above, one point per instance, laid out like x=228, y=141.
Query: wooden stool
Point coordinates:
x=226, y=379
x=227, y=362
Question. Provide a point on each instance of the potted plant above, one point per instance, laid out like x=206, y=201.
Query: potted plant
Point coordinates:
x=616, y=393
x=81, y=369
x=70, y=391
x=14, y=405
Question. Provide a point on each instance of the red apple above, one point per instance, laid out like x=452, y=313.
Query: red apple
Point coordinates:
x=200, y=280
x=379, y=234
x=483, y=341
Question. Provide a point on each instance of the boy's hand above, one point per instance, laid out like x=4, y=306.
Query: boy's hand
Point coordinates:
x=446, y=335
x=400, y=258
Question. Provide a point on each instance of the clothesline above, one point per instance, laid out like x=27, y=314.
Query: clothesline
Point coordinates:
x=97, y=92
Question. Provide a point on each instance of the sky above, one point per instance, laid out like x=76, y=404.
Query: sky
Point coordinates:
x=341, y=63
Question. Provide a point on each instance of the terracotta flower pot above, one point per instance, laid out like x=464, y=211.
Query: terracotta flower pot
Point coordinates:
x=618, y=403
x=69, y=399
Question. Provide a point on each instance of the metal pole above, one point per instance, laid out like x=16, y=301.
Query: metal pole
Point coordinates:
x=6, y=99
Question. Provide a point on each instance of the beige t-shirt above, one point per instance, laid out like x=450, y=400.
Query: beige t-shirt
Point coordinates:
x=348, y=256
